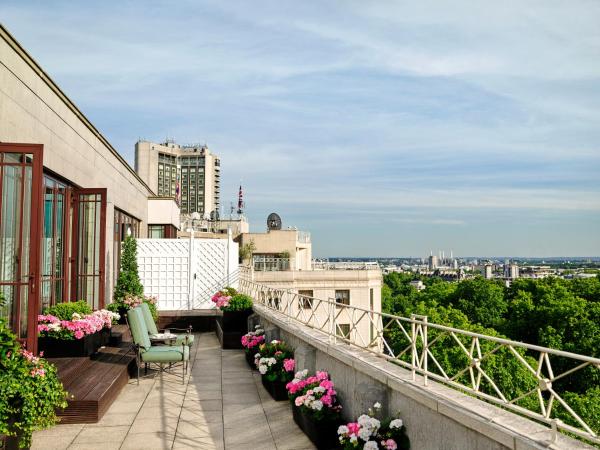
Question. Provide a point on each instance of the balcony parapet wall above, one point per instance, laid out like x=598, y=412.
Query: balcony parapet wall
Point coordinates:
x=436, y=416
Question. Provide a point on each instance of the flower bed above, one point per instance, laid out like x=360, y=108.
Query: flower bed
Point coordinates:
x=275, y=362
x=80, y=334
x=251, y=342
x=371, y=433
x=315, y=407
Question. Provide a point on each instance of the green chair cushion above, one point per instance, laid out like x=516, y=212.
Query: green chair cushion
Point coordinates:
x=181, y=339
x=137, y=325
x=150, y=325
x=166, y=354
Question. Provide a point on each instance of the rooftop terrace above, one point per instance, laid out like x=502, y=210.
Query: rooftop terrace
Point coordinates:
x=221, y=405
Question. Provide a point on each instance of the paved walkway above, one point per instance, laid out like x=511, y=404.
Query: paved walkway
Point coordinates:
x=222, y=405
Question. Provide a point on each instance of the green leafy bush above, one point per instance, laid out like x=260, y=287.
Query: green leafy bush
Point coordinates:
x=65, y=311
x=30, y=390
x=239, y=302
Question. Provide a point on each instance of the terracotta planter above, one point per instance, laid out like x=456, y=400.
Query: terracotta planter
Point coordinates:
x=72, y=348
x=322, y=433
x=276, y=389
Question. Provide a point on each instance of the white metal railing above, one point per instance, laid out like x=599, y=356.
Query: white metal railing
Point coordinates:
x=270, y=264
x=325, y=264
x=413, y=343
x=304, y=237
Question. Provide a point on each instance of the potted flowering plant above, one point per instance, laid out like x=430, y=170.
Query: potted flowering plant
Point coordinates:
x=371, y=433
x=30, y=393
x=250, y=342
x=275, y=362
x=236, y=309
x=130, y=301
x=72, y=329
x=315, y=407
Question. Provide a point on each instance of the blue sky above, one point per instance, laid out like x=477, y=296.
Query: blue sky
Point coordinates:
x=384, y=128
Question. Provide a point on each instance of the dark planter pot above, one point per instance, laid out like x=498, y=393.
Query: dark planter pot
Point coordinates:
x=105, y=334
x=60, y=348
x=10, y=443
x=250, y=358
x=235, y=321
x=276, y=389
x=322, y=433
x=122, y=312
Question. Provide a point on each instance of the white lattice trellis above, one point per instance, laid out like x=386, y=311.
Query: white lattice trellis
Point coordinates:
x=164, y=268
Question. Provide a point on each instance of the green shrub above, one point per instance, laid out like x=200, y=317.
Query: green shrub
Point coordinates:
x=239, y=302
x=30, y=390
x=128, y=282
x=65, y=311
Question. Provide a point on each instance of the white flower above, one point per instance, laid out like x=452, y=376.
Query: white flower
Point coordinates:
x=55, y=326
x=301, y=374
x=396, y=423
x=75, y=316
x=274, y=341
x=364, y=433
x=377, y=405
x=262, y=369
x=343, y=429
x=353, y=439
x=317, y=405
x=319, y=390
x=371, y=445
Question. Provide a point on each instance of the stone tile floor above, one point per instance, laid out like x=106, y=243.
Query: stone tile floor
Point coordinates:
x=222, y=405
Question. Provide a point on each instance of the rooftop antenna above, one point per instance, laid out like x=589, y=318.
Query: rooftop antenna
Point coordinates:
x=241, y=203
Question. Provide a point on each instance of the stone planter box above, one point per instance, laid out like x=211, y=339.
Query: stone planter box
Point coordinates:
x=322, y=433
x=276, y=389
x=61, y=348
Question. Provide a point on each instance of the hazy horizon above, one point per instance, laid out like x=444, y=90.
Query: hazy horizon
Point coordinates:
x=380, y=128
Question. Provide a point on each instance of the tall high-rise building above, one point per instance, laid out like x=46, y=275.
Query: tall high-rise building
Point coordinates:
x=190, y=173
x=433, y=262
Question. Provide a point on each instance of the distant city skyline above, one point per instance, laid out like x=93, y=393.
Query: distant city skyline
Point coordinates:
x=383, y=129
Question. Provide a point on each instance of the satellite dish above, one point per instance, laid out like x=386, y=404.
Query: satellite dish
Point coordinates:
x=274, y=222
x=214, y=215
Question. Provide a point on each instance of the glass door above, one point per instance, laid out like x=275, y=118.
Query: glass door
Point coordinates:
x=89, y=244
x=20, y=229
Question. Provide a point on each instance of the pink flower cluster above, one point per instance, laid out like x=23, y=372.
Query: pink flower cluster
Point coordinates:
x=221, y=300
x=289, y=364
x=79, y=326
x=301, y=382
x=34, y=360
x=316, y=392
x=252, y=340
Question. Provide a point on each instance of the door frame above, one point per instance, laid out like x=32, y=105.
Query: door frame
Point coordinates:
x=35, y=232
x=101, y=248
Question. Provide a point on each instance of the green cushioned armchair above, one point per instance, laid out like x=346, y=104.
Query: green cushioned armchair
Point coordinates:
x=187, y=337
x=157, y=354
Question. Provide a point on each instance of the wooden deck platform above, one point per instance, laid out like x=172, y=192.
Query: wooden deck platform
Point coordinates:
x=94, y=383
